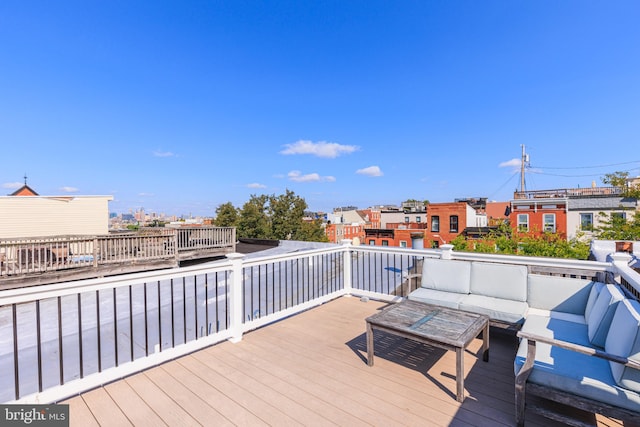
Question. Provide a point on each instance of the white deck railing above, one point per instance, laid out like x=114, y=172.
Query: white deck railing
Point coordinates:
x=58, y=340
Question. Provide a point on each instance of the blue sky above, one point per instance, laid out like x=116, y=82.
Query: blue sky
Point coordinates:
x=180, y=106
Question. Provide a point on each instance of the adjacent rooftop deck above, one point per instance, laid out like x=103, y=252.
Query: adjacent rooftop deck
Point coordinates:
x=310, y=369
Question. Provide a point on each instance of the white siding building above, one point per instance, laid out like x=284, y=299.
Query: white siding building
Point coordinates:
x=43, y=216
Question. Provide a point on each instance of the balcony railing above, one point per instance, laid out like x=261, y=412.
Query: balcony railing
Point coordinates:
x=60, y=255
x=60, y=339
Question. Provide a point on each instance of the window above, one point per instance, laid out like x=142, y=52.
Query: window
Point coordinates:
x=618, y=215
x=435, y=244
x=418, y=219
x=523, y=222
x=586, y=221
x=403, y=243
x=453, y=223
x=435, y=223
x=385, y=243
x=549, y=223
x=406, y=219
x=372, y=242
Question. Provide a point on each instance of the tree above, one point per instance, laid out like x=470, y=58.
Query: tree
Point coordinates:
x=504, y=241
x=286, y=213
x=618, y=227
x=311, y=231
x=226, y=215
x=621, y=180
x=253, y=221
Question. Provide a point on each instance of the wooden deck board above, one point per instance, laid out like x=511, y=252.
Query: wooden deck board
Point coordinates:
x=130, y=403
x=311, y=369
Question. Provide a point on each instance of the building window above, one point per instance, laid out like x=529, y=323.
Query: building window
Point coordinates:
x=406, y=219
x=385, y=243
x=435, y=223
x=453, y=223
x=549, y=223
x=618, y=216
x=523, y=222
x=403, y=243
x=586, y=221
x=372, y=242
x=418, y=219
x=435, y=244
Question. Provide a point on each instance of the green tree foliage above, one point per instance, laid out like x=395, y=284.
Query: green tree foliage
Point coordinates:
x=621, y=180
x=253, y=221
x=286, y=213
x=226, y=215
x=271, y=217
x=504, y=241
x=618, y=227
x=311, y=231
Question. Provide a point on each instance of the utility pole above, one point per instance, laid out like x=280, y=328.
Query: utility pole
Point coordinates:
x=524, y=162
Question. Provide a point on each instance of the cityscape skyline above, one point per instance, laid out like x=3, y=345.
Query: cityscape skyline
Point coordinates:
x=179, y=108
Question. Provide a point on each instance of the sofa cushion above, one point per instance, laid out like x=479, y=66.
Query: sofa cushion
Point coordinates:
x=560, y=329
x=576, y=373
x=508, y=282
x=446, y=275
x=504, y=310
x=555, y=293
x=623, y=340
x=593, y=296
x=434, y=296
x=601, y=314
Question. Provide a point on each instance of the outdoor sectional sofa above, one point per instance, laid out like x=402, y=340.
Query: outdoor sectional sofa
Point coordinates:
x=580, y=339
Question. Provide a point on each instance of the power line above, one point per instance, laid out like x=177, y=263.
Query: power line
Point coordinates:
x=588, y=167
x=502, y=186
x=573, y=176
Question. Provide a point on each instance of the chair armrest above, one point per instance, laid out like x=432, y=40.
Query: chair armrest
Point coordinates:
x=413, y=276
x=579, y=348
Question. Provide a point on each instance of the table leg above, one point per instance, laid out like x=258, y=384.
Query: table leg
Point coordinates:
x=369, y=344
x=485, y=343
x=460, y=374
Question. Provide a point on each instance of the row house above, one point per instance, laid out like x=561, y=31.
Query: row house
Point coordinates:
x=338, y=232
x=569, y=212
x=399, y=237
x=539, y=216
x=448, y=220
x=434, y=226
x=398, y=215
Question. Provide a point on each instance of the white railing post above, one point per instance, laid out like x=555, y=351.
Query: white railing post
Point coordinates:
x=446, y=251
x=346, y=266
x=235, y=297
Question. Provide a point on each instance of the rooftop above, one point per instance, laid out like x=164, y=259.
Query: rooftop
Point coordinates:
x=310, y=369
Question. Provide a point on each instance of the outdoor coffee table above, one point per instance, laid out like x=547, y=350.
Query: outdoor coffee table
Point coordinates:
x=441, y=327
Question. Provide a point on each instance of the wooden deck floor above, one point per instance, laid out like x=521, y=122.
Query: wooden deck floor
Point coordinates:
x=311, y=369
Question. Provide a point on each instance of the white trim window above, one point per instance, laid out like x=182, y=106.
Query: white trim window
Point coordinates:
x=523, y=222
x=549, y=223
x=586, y=221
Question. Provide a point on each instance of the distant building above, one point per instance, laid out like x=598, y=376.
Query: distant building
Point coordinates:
x=448, y=220
x=24, y=213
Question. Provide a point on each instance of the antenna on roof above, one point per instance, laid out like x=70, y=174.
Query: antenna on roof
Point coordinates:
x=25, y=178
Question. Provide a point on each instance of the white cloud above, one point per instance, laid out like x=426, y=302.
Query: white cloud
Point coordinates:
x=297, y=176
x=320, y=149
x=256, y=185
x=370, y=171
x=159, y=153
x=12, y=185
x=69, y=189
x=513, y=163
